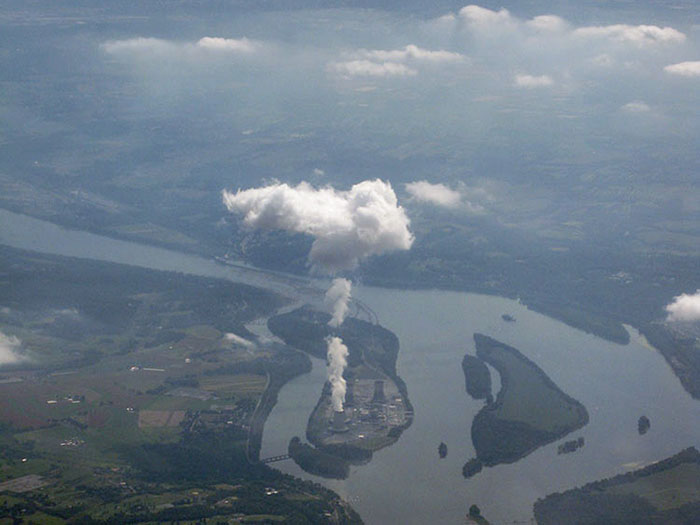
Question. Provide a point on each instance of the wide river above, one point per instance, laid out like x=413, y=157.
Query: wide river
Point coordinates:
x=407, y=482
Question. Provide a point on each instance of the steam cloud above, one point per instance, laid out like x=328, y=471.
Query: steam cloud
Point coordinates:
x=337, y=361
x=347, y=226
x=9, y=347
x=685, y=307
x=237, y=339
x=338, y=296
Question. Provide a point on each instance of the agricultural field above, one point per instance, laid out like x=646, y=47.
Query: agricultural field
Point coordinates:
x=128, y=401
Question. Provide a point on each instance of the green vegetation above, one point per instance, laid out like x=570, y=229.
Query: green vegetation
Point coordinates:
x=664, y=492
x=643, y=425
x=317, y=461
x=529, y=411
x=133, y=407
x=477, y=377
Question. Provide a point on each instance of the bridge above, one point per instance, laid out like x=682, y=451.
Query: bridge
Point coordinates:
x=273, y=459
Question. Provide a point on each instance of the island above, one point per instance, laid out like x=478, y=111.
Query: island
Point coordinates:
x=529, y=411
x=643, y=425
x=665, y=492
x=377, y=408
x=571, y=446
x=477, y=377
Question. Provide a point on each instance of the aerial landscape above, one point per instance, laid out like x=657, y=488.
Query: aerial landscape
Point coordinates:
x=350, y=262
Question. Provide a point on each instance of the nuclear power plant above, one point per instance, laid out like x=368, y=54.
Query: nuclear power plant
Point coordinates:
x=339, y=423
x=378, y=396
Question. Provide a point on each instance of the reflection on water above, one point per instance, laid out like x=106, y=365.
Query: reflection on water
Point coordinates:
x=407, y=482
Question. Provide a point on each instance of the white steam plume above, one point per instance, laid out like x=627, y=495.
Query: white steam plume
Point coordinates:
x=347, y=226
x=338, y=297
x=685, y=307
x=9, y=347
x=337, y=361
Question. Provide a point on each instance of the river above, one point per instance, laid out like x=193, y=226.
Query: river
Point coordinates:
x=407, y=482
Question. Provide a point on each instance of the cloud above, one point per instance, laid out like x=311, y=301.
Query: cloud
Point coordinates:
x=347, y=226
x=478, y=16
x=338, y=298
x=412, y=52
x=684, y=69
x=548, y=24
x=367, y=68
x=641, y=35
x=530, y=81
x=636, y=106
x=146, y=47
x=684, y=307
x=242, y=45
x=237, y=339
x=337, y=361
x=437, y=194
x=10, y=350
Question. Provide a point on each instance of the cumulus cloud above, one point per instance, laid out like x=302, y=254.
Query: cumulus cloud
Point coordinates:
x=548, y=24
x=367, y=68
x=531, y=81
x=242, y=45
x=337, y=361
x=347, y=226
x=10, y=349
x=478, y=16
x=338, y=299
x=684, y=69
x=636, y=106
x=684, y=307
x=412, y=52
x=641, y=35
x=437, y=194
x=146, y=47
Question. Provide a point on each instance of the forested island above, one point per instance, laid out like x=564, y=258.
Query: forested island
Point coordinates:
x=477, y=378
x=529, y=411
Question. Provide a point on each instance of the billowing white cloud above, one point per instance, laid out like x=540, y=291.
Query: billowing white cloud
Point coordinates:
x=338, y=299
x=347, y=226
x=437, y=194
x=156, y=47
x=10, y=349
x=242, y=45
x=684, y=69
x=411, y=52
x=337, y=355
x=464, y=198
x=367, y=68
x=531, y=81
x=548, y=24
x=486, y=22
x=636, y=106
x=685, y=307
x=641, y=35
x=480, y=16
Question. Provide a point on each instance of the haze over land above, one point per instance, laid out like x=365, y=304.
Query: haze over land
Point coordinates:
x=544, y=151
